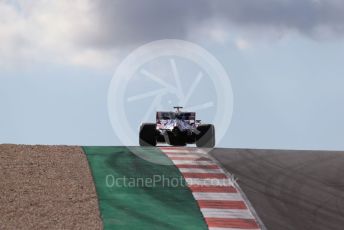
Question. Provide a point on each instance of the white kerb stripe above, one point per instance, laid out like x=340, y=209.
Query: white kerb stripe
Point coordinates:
x=181, y=154
x=195, y=170
x=217, y=196
x=176, y=151
x=193, y=156
x=183, y=151
x=227, y=213
x=209, y=182
x=190, y=162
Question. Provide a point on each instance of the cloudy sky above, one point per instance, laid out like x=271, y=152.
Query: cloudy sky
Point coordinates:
x=284, y=57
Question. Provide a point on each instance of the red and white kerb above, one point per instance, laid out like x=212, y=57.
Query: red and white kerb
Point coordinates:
x=222, y=205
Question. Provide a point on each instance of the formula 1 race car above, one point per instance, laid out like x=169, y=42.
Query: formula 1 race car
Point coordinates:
x=178, y=129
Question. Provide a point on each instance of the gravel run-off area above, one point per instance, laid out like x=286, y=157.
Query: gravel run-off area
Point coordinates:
x=46, y=187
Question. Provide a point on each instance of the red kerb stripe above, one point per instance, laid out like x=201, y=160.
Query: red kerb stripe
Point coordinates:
x=190, y=158
x=222, y=204
x=205, y=175
x=200, y=188
x=231, y=223
x=198, y=166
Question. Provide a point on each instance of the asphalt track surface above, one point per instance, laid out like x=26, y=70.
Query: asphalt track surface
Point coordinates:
x=290, y=189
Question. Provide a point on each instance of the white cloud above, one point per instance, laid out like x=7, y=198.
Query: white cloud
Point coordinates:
x=95, y=58
x=94, y=32
x=213, y=30
x=242, y=44
x=41, y=29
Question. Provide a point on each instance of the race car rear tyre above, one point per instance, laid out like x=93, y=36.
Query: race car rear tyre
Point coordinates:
x=148, y=134
x=206, y=136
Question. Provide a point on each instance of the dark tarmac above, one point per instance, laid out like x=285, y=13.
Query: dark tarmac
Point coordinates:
x=290, y=189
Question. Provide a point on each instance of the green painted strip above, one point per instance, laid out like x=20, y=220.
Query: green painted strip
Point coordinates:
x=144, y=206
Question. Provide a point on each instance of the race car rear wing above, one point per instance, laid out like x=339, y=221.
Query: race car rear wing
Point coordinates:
x=186, y=116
